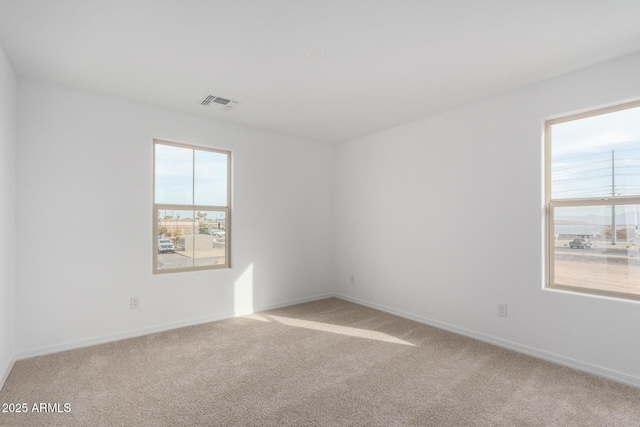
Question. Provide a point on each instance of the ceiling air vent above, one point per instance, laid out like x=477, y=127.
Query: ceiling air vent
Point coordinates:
x=219, y=103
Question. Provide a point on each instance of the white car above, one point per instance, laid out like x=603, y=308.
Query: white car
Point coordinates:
x=166, y=245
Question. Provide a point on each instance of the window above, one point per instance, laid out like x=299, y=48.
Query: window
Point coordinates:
x=191, y=208
x=593, y=201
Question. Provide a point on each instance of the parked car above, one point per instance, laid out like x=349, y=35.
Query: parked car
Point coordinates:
x=580, y=243
x=166, y=245
x=218, y=233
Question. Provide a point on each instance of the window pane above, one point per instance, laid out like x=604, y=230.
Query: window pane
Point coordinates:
x=211, y=239
x=178, y=226
x=210, y=178
x=596, y=156
x=191, y=203
x=589, y=255
x=174, y=175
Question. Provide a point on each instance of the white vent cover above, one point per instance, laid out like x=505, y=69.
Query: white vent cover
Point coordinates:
x=219, y=103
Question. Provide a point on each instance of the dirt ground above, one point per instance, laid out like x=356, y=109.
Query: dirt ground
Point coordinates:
x=610, y=274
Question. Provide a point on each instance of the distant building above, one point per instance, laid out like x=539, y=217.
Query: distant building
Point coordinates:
x=188, y=226
x=568, y=230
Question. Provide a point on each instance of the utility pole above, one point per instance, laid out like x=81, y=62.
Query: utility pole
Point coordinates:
x=613, y=193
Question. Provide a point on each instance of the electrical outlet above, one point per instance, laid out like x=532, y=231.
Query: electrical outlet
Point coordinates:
x=135, y=303
x=502, y=310
x=352, y=279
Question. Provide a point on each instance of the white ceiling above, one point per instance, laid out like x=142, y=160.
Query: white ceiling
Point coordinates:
x=387, y=62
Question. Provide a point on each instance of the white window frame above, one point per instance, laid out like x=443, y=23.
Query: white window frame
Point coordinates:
x=551, y=204
x=159, y=206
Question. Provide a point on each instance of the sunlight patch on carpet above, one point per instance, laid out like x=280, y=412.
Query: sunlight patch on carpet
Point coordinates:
x=255, y=316
x=337, y=329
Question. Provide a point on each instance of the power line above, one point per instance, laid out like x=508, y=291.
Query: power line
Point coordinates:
x=580, y=171
x=582, y=178
x=607, y=152
x=577, y=165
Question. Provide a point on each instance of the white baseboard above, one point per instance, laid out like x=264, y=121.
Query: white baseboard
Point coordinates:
x=4, y=373
x=540, y=354
x=71, y=345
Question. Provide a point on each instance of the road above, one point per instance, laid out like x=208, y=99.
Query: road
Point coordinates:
x=608, y=251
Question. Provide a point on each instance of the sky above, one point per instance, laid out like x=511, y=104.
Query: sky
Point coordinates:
x=597, y=156
x=190, y=177
x=583, y=152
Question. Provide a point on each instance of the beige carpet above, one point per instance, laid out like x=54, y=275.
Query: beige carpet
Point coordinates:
x=325, y=363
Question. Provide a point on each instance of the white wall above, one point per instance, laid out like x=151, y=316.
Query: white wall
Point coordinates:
x=8, y=86
x=431, y=216
x=426, y=216
x=84, y=219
